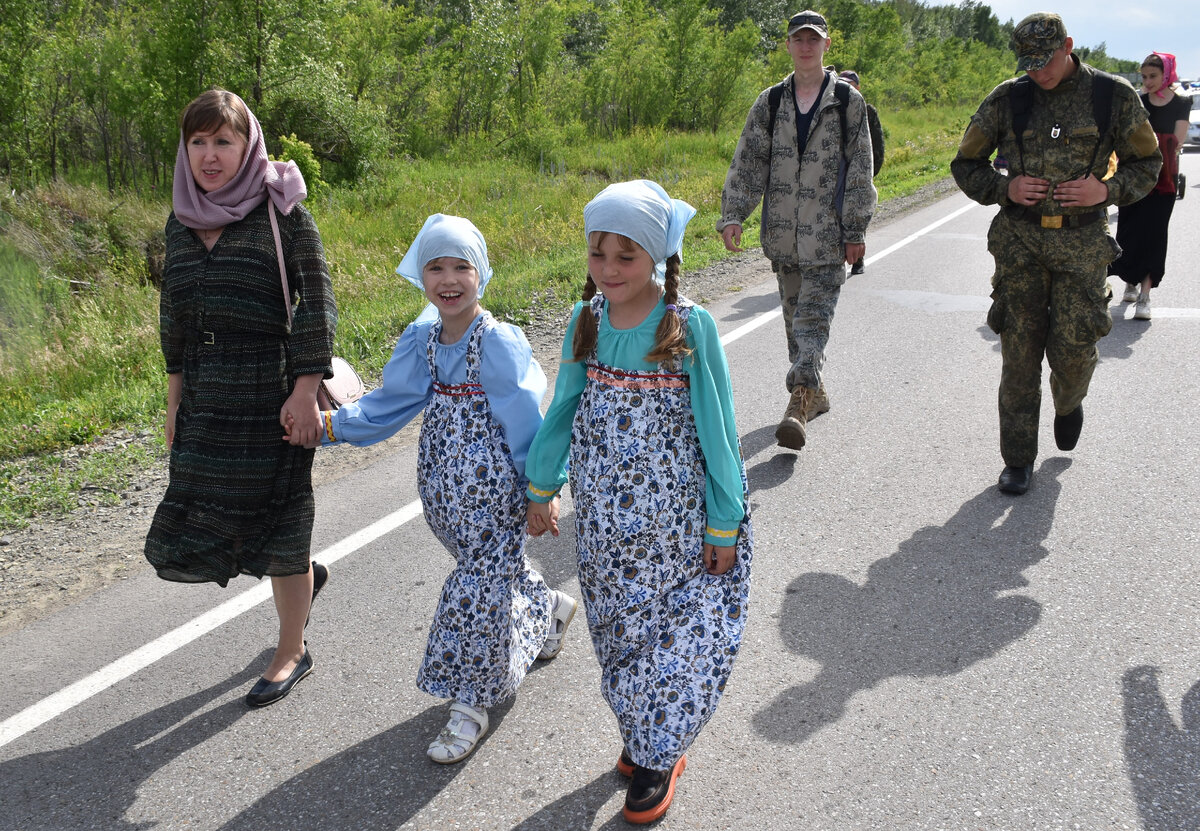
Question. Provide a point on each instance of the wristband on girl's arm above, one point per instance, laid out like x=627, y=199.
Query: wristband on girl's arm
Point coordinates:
x=327, y=417
x=721, y=538
x=539, y=495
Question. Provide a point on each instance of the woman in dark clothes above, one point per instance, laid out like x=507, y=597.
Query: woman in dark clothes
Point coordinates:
x=1142, y=226
x=240, y=499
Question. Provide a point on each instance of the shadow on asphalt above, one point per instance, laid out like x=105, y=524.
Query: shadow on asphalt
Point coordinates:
x=580, y=807
x=936, y=606
x=1118, y=344
x=93, y=785
x=1162, y=759
x=772, y=471
x=752, y=305
x=991, y=337
x=367, y=787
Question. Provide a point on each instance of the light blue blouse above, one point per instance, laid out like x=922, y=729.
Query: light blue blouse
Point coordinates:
x=512, y=381
x=712, y=407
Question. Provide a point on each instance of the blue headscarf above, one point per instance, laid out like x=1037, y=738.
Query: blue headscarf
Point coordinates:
x=446, y=236
x=642, y=211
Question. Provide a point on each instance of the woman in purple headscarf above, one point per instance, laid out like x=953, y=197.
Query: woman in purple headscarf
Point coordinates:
x=240, y=499
x=1142, y=226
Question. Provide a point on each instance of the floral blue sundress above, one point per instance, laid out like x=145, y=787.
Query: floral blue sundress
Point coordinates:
x=665, y=631
x=494, y=612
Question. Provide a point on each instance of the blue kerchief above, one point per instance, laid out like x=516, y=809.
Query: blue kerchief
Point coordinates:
x=642, y=211
x=446, y=236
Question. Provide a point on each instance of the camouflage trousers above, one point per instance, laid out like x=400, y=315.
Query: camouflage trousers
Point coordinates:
x=808, y=296
x=1049, y=298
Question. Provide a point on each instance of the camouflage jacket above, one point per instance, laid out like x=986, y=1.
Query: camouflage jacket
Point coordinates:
x=812, y=204
x=1059, y=142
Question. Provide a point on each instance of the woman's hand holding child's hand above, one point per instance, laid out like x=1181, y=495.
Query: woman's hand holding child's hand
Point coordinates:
x=301, y=425
x=541, y=517
x=718, y=559
x=299, y=416
x=289, y=425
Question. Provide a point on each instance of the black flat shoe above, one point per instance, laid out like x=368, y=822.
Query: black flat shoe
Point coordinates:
x=1015, y=480
x=268, y=692
x=650, y=792
x=1067, y=428
x=320, y=578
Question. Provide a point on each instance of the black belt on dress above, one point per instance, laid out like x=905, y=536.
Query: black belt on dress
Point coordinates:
x=213, y=338
x=1056, y=221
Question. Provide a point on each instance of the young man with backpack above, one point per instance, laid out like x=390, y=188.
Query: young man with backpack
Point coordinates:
x=805, y=152
x=1056, y=125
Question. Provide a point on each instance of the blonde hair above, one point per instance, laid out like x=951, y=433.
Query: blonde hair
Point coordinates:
x=670, y=339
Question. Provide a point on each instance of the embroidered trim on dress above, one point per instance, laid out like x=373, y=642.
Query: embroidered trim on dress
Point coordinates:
x=637, y=380
x=457, y=390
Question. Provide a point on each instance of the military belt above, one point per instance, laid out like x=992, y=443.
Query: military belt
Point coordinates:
x=1053, y=221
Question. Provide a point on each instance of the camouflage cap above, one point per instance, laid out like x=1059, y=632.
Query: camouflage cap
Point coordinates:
x=808, y=19
x=1035, y=38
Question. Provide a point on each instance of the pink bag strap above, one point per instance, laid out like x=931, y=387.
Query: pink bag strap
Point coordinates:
x=287, y=291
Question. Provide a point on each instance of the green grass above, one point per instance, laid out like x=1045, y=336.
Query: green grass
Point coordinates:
x=79, y=353
x=52, y=485
x=919, y=147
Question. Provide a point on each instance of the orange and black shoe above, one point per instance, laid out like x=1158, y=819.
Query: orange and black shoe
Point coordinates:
x=625, y=764
x=650, y=792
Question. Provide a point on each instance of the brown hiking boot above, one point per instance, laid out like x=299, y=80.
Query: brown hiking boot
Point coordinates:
x=790, y=432
x=819, y=403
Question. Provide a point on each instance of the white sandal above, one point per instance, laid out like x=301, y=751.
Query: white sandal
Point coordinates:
x=452, y=744
x=561, y=614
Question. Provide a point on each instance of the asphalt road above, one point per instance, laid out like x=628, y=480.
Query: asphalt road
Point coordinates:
x=923, y=652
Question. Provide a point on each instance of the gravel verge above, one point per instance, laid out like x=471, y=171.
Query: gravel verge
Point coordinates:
x=55, y=561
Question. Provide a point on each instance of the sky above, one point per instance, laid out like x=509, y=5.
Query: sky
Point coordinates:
x=1129, y=30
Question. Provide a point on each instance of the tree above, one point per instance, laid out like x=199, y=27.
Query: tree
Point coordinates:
x=19, y=36
x=626, y=83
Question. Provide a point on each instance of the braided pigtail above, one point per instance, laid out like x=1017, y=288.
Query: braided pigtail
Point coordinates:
x=671, y=337
x=586, y=332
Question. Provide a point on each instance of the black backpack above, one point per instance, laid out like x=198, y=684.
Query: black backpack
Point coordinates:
x=1020, y=101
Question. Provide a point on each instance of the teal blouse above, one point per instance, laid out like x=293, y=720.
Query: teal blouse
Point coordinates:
x=712, y=407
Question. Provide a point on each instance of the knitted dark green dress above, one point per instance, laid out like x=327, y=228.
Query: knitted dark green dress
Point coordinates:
x=240, y=498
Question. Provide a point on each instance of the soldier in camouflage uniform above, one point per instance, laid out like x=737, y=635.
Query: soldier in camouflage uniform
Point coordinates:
x=1050, y=239
x=817, y=194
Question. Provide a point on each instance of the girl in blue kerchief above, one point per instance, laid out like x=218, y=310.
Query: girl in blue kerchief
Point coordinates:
x=479, y=387
x=643, y=408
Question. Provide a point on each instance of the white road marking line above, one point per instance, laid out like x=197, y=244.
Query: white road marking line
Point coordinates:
x=58, y=703
x=933, y=226
x=747, y=328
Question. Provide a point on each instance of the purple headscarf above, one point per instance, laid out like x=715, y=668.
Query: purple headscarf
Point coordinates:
x=1170, y=75
x=257, y=179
